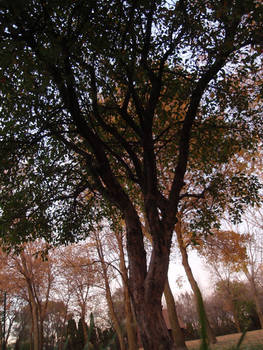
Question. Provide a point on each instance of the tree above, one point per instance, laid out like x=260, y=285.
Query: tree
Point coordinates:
x=105, y=274
x=187, y=312
x=30, y=277
x=78, y=275
x=237, y=300
x=218, y=253
x=91, y=114
x=251, y=268
x=221, y=317
x=54, y=326
x=239, y=252
x=72, y=334
x=23, y=328
x=8, y=309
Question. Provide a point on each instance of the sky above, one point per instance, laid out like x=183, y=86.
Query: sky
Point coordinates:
x=178, y=280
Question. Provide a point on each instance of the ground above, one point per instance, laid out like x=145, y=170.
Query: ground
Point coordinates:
x=227, y=341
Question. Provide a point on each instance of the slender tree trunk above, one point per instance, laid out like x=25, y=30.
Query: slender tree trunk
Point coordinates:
x=40, y=328
x=257, y=303
x=255, y=296
x=196, y=290
x=33, y=305
x=35, y=325
x=235, y=315
x=114, y=318
x=85, y=331
x=113, y=315
x=130, y=326
x=177, y=333
x=42, y=308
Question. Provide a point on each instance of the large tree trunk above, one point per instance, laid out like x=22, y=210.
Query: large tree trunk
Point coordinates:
x=196, y=290
x=147, y=286
x=177, y=333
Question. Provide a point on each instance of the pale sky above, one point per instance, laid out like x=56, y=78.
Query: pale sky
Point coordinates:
x=177, y=274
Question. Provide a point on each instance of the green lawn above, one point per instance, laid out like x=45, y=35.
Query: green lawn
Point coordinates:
x=253, y=340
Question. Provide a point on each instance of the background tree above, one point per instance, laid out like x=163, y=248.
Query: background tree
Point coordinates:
x=223, y=273
x=130, y=323
x=221, y=317
x=239, y=252
x=55, y=325
x=29, y=276
x=105, y=275
x=72, y=341
x=79, y=276
x=9, y=304
x=238, y=301
x=85, y=113
x=252, y=266
x=23, y=328
x=187, y=312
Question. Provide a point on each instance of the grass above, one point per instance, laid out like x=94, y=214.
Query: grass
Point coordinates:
x=253, y=341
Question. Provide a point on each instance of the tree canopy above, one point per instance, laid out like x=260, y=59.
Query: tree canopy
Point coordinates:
x=105, y=96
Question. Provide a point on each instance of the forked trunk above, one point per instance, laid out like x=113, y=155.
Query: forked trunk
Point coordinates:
x=177, y=333
x=147, y=284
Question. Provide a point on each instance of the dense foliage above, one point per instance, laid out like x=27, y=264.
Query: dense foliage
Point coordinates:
x=97, y=88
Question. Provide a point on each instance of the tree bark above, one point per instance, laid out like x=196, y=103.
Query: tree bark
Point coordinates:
x=153, y=330
x=147, y=286
x=177, y=333
x=196, y=290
